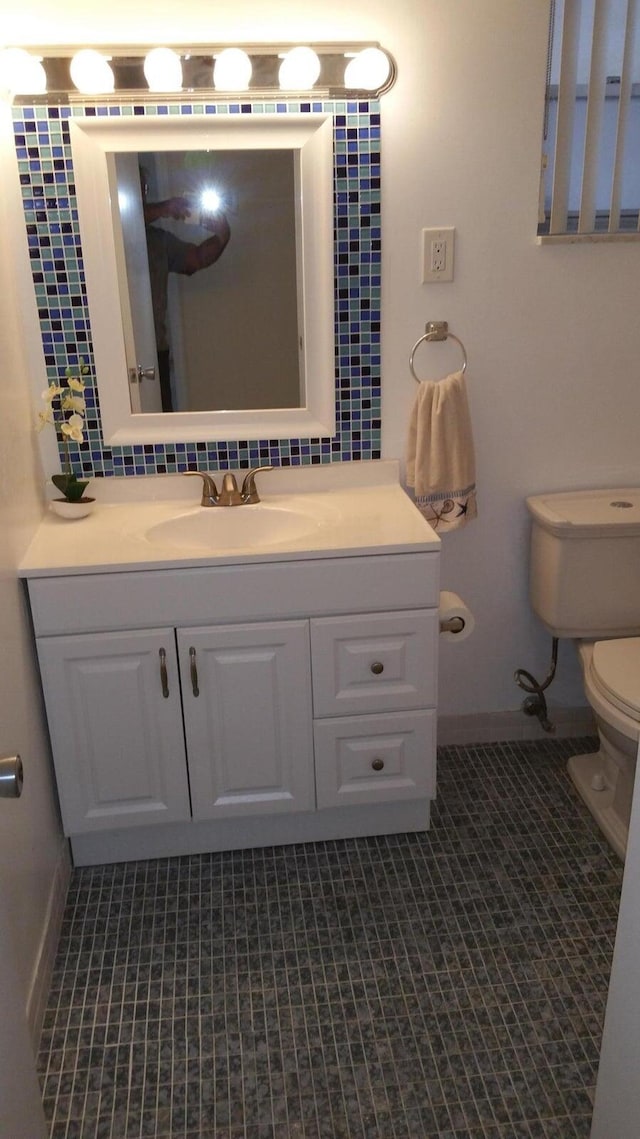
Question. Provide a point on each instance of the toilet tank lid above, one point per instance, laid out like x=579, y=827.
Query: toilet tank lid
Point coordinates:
x=593, y=513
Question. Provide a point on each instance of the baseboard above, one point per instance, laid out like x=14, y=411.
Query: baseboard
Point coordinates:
x=41, y=979
x=498, y=727
x=171, y=840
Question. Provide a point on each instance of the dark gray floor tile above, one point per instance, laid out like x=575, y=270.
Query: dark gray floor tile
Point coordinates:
x=448, y=985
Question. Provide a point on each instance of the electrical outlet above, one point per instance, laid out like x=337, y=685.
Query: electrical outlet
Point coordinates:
x=436, y=255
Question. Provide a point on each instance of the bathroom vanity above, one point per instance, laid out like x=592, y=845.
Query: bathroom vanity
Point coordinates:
x=235, y=677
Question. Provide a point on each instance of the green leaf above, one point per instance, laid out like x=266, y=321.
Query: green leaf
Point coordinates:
x=69, y=486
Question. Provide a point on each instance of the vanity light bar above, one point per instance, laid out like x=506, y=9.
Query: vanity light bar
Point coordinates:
x=135, y=74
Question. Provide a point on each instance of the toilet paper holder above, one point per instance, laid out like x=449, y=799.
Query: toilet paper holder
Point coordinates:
x=455, y=618
x=452, y=625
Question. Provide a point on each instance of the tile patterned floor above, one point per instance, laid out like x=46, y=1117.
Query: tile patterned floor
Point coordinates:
x=441, y=986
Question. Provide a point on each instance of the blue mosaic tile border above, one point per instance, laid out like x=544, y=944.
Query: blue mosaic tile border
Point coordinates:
x=46, y=174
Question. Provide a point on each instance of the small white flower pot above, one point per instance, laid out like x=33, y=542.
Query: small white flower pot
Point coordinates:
x=71, y=510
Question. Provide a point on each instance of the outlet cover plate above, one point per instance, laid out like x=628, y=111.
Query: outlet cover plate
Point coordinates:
x=436, y=255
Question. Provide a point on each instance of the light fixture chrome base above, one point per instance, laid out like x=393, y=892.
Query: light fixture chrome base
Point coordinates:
x=130, y=84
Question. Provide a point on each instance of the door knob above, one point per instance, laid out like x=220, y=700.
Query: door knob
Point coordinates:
x=11, y=777
x=138, y=374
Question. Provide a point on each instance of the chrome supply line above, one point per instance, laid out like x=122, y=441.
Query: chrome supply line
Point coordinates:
x=535, y=704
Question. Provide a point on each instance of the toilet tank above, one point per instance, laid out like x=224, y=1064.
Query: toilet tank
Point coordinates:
x=585, y=562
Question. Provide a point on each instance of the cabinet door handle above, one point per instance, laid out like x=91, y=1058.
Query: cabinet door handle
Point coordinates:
x=164, y=679
x=193, y=668
x=377, y=667
x=377, y=764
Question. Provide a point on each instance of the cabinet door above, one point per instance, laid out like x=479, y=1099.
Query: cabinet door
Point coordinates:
x=113, y=705
x=247, y=707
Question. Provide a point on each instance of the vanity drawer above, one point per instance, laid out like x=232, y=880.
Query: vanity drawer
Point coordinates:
x=374, y=662
x=371, y=759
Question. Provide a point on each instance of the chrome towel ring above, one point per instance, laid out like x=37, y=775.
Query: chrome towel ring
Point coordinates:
x=436, y=330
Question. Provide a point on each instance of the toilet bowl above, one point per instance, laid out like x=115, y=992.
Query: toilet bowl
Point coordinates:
x=604, y=779
x=584, y=577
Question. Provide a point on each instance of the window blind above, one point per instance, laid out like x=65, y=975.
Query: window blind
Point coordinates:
x=591, y=149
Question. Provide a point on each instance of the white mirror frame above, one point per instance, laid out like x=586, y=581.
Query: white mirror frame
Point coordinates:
x=92, y=141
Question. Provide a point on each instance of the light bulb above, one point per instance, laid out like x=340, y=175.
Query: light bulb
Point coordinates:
x=210, y=201
x=232, y=70
x=299, y=69
x=91, y=73
x=368, y=70
x=163, y=70
x=21, y=73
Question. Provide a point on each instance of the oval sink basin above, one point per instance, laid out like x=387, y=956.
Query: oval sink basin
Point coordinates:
x=232, y=527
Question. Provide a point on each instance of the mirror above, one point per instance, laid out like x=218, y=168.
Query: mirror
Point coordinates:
x=249, y=335
x=205, y=236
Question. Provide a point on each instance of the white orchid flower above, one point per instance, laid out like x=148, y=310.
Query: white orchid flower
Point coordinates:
x=51, y=392
x=72, y=400
x=72, y=428
x=73, y=403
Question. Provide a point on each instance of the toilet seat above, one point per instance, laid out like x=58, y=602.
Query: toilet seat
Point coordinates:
x=615, y=672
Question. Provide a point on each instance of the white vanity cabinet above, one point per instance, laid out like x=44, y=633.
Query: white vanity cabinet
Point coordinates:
x=215, y=707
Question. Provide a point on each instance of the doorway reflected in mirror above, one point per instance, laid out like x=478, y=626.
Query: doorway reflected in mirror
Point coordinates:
x=211, y=332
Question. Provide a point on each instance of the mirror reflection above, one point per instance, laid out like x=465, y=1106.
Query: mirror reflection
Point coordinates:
x=210, y=290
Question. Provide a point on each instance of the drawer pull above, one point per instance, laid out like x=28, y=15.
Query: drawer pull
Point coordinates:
x=377, y=667
x=377, y=764
x=164, y=680
x=193, y=668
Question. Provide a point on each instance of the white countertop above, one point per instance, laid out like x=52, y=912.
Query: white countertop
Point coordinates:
x=357, y=509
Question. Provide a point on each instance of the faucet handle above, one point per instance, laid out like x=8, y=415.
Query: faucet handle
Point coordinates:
x=209, y=488
x=249, y=490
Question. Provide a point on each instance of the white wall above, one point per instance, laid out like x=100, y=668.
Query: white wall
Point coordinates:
x=551, y=333
x=33, y=859
x=21, y=1114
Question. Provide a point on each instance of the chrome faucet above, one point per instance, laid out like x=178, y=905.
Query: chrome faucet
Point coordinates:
x=229, y=495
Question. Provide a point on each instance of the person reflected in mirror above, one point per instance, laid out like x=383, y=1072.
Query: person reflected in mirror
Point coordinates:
x=168, y=253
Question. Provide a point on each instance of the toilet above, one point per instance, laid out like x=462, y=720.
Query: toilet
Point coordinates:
x=585, y=584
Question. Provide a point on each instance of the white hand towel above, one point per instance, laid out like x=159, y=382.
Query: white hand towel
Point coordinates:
x=440, y=454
